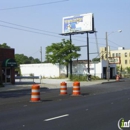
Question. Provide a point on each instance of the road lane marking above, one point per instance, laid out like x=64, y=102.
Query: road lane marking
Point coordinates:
x=57, y=117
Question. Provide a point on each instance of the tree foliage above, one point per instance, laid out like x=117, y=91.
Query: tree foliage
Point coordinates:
x=128, y=69
x=22, y=59
x=96, y=59
x=62, y=52
x=4, y=45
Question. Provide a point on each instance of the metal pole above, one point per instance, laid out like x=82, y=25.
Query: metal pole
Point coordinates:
x=41, y=53
x=97, y=43
x=107, y=57
x=88, y=52
x=70, y=59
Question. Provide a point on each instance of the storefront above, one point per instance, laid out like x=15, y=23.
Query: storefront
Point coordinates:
x=7, y=65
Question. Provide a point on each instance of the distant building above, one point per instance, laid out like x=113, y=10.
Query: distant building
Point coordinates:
x=7, y=65
x=121, y=53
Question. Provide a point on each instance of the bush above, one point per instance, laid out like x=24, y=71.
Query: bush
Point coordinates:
x=31, y=74
x=126, y=76
x=81, y=77
x=62, y=76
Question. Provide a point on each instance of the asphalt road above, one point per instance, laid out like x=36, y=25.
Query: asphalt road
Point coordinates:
x=98, y=108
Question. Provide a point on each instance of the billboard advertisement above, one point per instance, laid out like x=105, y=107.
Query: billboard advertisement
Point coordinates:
x=80, y=23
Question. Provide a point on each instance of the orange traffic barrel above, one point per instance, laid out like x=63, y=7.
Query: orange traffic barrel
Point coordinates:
x=76, y=88
x=63, y=88
x=35, y=93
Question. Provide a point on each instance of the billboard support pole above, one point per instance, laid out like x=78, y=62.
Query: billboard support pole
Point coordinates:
x=70, y=59
x=88, y=52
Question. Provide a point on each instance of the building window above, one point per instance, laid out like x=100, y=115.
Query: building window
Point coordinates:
x=113, y=55
x=116, y=54
x=125, y=61
x=119, y=54
x=102, y=57
x=126, y=54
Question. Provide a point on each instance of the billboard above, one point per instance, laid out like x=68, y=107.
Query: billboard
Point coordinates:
x=114, y=60
x=78, y=24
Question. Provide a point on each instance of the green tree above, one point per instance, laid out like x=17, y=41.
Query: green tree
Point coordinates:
x=31, y=59
x=128, y=69
x=36, y=61
x=4, y=45
x=22, y=59
x=96, y=59
x=62, y=53
x=117, y=69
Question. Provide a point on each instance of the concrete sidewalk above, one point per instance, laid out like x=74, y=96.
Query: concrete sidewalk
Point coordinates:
x=49, y=84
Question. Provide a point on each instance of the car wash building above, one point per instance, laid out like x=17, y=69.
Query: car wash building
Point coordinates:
x=7, y=65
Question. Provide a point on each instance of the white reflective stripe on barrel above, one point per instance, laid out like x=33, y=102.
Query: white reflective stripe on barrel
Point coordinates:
x=34, y=90
x=75, y=90
x=76, y=87
x=35, y=96
x=63, y=86
x=62, y=90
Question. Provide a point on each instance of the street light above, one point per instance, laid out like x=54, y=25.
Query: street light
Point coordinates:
x=108, y=69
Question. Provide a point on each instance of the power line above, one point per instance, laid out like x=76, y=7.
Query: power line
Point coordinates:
x=114, y=43
x=40, y=29
x=27, y=27
x=90, y=37
x=29, y=31
x=27, y=6
x=34, y=29
x=35, y=52
x=41, y=32
x=37, y=32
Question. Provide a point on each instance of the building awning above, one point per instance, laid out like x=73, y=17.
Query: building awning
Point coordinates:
x=9, y=63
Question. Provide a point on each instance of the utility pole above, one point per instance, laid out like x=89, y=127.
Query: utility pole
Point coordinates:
x=70, y=59
x=41, y=53
x=88, y=53
x=107, y=70
x=97, y=43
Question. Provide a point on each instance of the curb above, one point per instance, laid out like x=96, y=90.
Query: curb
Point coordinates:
x=112, y=82
x=47, y=86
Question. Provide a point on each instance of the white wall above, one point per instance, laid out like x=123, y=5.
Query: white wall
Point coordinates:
x=43, y=69
x=54, y=70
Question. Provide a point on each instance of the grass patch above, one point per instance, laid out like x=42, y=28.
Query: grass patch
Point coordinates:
x=82, y=78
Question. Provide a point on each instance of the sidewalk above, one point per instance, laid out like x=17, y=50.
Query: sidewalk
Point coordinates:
x=49, y=84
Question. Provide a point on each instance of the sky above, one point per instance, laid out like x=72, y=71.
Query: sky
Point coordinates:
x=109, y=16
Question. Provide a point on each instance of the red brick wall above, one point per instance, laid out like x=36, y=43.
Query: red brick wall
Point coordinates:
x=6, y=54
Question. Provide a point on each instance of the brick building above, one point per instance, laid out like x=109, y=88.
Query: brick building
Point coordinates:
x=7, y=65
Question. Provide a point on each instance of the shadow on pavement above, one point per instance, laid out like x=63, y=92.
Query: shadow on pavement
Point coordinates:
x=20, y=93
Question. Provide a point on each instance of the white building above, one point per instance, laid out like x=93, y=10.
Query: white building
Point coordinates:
x=49, y=70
